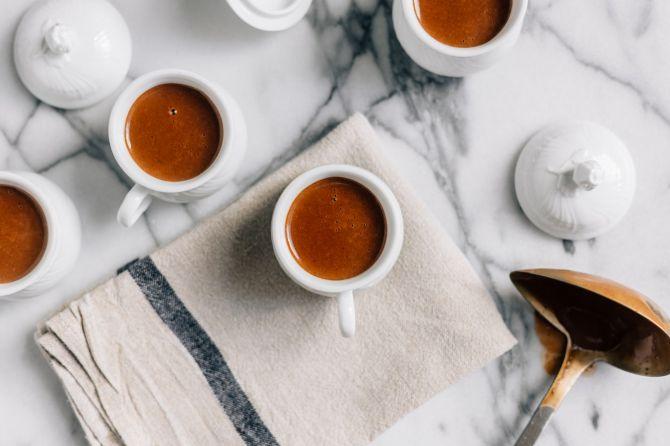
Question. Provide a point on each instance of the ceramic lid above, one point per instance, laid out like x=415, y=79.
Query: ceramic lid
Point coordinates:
x=72, y=53
x=270, y=15
x=575, y=180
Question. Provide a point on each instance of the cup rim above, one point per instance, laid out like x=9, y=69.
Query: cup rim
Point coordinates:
x=48, y=212
x=517, y=13
x=126, y=99
x=394, y=230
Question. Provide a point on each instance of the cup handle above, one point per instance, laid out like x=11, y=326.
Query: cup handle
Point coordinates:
x=136, y=202
x=345, y=303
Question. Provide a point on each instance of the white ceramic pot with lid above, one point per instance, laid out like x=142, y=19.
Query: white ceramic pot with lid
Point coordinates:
x=72, y=53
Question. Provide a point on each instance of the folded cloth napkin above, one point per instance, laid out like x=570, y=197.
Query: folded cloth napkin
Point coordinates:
x=207, y=342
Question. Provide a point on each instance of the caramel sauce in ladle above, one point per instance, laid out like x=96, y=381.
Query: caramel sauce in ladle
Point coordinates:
x=594, y=323
x=600, y=321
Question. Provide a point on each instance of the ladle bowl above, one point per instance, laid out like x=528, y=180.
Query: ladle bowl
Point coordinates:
x=602, y=321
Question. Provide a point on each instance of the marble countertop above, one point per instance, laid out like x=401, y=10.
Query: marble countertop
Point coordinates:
x=456, y=141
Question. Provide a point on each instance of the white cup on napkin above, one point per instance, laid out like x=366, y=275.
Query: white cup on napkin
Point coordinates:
x=342, y=289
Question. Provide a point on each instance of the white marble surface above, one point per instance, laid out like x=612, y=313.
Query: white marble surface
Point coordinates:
x=455, y=140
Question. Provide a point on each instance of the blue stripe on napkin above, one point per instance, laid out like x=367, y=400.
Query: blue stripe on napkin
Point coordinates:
x=176, y=316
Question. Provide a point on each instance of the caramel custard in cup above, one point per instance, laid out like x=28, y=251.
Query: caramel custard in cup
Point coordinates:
x=155, y=181
x=337, y=229
x=40, y=235
x=451, y=60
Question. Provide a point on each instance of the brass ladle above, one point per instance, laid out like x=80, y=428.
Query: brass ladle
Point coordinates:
x=602, y=321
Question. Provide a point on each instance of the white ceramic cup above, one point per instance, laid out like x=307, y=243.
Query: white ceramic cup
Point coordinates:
x=342, y=289
x=222, y=169
x=63, y=232
x=447, y=60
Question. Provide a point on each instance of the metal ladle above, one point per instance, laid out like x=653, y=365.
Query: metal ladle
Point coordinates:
x=602, y=321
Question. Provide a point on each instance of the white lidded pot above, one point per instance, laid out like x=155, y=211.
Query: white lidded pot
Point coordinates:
x=72, y=53
x=575, y=180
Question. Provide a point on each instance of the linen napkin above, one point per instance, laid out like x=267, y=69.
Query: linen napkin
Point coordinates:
x=207, y=342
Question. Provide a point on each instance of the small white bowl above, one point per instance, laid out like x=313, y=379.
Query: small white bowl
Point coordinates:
x=342, y=289
x=447, y=60
x=270, y=15
x=63, y=235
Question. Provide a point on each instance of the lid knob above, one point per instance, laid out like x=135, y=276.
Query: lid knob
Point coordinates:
x=588, y=174
x=58, y=39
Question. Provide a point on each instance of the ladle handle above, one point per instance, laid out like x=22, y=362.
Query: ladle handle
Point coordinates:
x=574, y=364
x=534, y=427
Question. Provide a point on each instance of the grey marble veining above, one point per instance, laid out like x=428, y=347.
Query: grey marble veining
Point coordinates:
x=455, y=140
